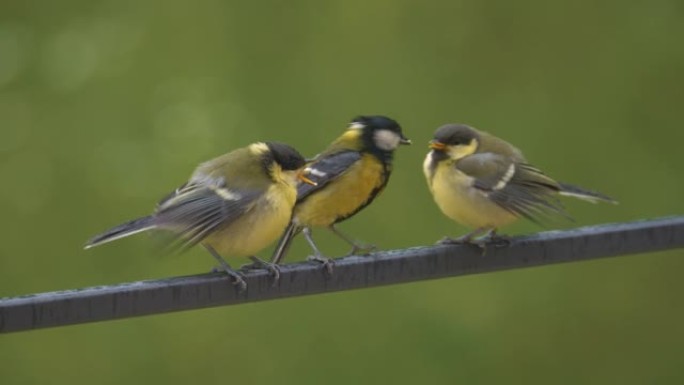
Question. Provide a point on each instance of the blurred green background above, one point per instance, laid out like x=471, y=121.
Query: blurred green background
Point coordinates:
x=105, y=106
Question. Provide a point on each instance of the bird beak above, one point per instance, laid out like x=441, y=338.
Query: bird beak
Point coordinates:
x=302, y=177
x=436, y=145
x=404, y=140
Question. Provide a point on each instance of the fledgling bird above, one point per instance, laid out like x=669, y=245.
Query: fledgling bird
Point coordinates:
x=235, y=204
x=484, y=182
x=348, y=176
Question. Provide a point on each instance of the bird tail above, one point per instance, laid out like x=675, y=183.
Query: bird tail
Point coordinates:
x=584, y=194
x=129, y=228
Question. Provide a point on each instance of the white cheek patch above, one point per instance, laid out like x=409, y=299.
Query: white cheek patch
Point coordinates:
x=462, y=150
x=386, y=140
x=455, y=152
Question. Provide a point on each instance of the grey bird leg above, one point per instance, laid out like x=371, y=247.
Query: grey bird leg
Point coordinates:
x=284, y=243
x=491, y=239
x=318, y=256
x=464, y=239
x=498, y=240
x=258, y=263
x=364, y=249
x=238, y=281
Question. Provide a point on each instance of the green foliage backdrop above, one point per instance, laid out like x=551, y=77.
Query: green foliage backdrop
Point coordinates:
x=106, y=105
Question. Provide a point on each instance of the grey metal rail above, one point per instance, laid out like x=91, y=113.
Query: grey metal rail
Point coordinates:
x=384, y=268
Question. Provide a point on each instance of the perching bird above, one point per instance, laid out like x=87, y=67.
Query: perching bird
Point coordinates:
x=235, y=204
x=485, y=183
x=348, y=175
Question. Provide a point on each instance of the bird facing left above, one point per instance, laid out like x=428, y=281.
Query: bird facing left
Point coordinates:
x=233, y=205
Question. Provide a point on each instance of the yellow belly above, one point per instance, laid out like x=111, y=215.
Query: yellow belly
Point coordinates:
x=343, y=196
x=261, y=225
x=458, y=200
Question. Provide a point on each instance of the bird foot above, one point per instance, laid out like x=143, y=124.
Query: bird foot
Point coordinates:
x=328, y=263
x=238, y=280
x=257, y=263
x=362, y=249
x=498, y=240
x=490, y=240
x=465, y=240
x=239, y=283
x=455, y=241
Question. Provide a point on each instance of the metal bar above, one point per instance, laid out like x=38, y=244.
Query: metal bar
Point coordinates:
x=205, y=290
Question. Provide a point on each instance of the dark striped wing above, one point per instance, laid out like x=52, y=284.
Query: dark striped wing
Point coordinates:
x=198, y=208
x=325, y=169
x=517, y=187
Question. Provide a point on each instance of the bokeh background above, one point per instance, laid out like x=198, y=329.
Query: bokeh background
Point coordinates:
x=107, y=105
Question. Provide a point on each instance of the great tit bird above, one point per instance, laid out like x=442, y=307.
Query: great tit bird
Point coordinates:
x=484, y=182
x=236, y=204
x=347, y=176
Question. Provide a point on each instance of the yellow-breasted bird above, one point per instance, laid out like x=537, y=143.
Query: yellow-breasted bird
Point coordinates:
x=235, y=204
x=484, y=182
x=348, y=175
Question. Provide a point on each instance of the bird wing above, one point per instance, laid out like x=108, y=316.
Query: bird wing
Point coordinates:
x=200, y=207
x=324, y=169
x=517, y=187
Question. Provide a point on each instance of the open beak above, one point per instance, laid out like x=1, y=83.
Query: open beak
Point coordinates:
x=404, y=140
x=436, y=145
x=301, y=176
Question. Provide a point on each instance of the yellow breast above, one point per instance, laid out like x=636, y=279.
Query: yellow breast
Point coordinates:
x=261, y=225
x=343, y=196
x=458, y=200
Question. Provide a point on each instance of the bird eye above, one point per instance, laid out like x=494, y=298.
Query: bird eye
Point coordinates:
x=457, y=141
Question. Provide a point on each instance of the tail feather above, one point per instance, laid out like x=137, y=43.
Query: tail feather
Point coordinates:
x=129, y=228
x=584, y=194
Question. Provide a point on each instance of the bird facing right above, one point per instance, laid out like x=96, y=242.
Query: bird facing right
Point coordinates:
x=347, y=176
x=484, y=182
x=235, y=204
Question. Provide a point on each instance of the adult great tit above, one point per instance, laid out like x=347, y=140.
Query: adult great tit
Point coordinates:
x=348, y=175
x=484, y=182
x=235, y=204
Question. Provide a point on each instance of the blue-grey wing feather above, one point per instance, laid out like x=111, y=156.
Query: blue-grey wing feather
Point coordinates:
x=195, y=210
x=325, y=169
x=517, y=187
